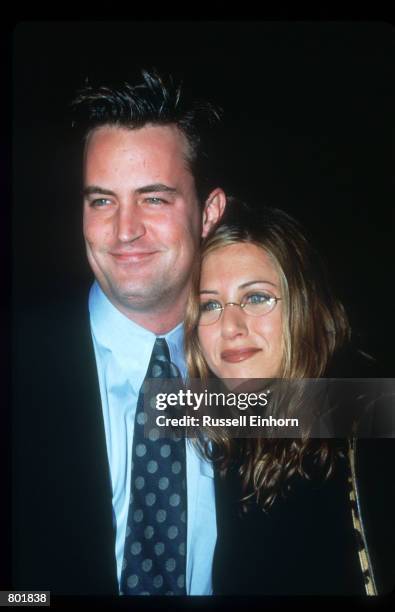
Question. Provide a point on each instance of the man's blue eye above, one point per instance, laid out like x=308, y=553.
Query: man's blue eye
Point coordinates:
x=154, y=200
x=100, y=202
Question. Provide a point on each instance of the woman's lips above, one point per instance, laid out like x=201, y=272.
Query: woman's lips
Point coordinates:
x=236, y=355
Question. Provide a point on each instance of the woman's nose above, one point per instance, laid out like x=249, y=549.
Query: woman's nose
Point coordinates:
x=233, y=321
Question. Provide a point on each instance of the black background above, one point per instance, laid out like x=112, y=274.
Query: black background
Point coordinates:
x=309, y=120
x=308, y=111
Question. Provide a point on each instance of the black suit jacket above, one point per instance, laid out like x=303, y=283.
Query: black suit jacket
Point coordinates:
x=63, y=535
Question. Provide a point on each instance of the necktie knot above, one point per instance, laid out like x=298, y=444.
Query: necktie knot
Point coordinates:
x=161, y=350
x=160, y=365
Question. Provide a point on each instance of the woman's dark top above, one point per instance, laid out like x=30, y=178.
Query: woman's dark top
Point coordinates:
x=306, y=543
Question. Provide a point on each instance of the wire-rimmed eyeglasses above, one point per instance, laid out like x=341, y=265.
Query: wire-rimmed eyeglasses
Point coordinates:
x=256, y=305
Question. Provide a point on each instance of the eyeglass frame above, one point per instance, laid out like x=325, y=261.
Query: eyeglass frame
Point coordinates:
x=242, y=306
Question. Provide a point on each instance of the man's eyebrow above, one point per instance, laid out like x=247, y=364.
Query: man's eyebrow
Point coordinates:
x=155, y=187
x=208, y=291
x=91, y=189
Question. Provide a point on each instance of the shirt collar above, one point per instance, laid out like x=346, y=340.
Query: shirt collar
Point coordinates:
x=125, y=338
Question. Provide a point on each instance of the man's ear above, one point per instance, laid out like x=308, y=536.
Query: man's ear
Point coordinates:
x=213, y=210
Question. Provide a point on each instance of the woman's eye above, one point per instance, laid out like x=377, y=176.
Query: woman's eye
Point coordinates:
x=257, y=298
x=211, y=305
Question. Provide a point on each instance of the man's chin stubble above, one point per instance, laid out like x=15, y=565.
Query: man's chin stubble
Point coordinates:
x=144, y=303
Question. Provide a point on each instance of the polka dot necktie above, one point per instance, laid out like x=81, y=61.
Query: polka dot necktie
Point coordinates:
x=155, y=545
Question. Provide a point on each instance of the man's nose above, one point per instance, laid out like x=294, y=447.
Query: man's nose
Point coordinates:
x=130, y=223
x=233, y=321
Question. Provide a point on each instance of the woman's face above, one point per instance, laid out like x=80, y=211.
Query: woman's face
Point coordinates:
x=240, y=345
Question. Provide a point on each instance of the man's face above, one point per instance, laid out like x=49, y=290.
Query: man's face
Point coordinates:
x=142, y=220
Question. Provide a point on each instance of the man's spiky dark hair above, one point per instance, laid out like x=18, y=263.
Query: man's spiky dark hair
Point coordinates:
x=156, y=100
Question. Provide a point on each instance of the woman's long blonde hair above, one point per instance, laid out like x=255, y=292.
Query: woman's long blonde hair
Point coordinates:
x=315, y=325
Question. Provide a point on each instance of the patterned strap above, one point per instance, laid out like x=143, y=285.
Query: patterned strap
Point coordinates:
x=363, y=553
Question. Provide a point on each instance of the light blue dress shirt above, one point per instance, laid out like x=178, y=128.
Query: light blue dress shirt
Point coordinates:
x=123, y=351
